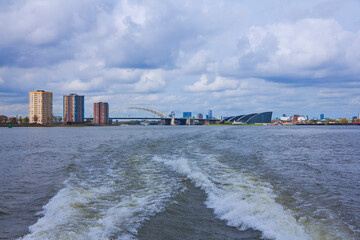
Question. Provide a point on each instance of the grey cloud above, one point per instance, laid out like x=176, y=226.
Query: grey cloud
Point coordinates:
x=256, y=50
x=145, y=51
x=310, y=49
x=125, y=34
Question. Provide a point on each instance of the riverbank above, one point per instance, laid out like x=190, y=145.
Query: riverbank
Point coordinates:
x=138, y=124
x=48, y=125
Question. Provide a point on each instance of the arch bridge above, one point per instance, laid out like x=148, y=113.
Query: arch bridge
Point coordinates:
x=165, y=119
x=160, y=116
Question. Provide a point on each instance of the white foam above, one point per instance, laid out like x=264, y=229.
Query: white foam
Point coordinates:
x=107, y=211
x=242, y=201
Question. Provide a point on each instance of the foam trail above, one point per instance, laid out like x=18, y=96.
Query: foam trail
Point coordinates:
x=104, y=210
x=242, y=201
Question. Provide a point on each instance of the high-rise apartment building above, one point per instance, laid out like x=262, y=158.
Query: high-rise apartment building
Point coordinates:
x=40, y=107
x=73, y=108
x=101, y=113
x=200, y=116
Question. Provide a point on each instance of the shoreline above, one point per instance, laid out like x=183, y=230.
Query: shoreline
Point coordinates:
x=6, y=125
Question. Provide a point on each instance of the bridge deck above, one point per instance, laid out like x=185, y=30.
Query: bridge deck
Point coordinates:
x=154, y=118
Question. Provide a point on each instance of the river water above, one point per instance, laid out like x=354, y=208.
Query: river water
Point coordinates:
x=182, y=182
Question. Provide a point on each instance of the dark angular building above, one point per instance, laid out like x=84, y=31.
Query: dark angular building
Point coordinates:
x=253, y=118
x=187, y=114
x=101, y=113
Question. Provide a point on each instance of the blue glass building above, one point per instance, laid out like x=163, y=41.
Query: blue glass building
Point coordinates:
x=186, y=114
x=210, y=114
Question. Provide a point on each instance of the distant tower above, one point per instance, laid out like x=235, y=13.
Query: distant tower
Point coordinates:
x=101, y=113
x=210, y=114
x=73, y=108
x=172, y=123
x=40, y=107
x=322, y=116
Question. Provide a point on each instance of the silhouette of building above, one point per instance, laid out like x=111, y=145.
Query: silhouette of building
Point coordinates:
x=186, y=114
x=40, y=107
x=101, y=113
x=73, y=108
x=253, y=118
x=210, y=114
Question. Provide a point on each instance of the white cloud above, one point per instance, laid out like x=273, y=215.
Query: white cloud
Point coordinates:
x=127, y=15
x=1, y=80
x=78, y=85
x=151, y=81
x=219, y=84
x=122, y=75
x=198, y=63
x=41, y=36
x=311, y=48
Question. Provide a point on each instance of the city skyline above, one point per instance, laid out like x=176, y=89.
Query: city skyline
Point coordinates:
x=232, y=57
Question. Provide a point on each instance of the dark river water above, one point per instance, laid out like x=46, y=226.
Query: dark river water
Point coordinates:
x=182, y=182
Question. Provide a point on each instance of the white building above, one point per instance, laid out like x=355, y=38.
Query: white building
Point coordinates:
x=302, y=119
x=285, y=119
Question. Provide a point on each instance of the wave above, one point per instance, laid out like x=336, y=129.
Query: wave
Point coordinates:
x=112, y=202
x=241, y=200
x=109, y=206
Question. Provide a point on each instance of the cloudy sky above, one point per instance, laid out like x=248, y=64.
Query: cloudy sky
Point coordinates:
x=234, y=56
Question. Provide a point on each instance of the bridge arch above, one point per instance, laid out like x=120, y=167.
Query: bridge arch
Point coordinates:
x=160, y=114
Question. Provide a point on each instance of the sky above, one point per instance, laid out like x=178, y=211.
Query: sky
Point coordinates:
x=234, y=57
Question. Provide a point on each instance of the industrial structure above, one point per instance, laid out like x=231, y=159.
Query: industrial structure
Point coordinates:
x=253, y=118
x=101, y=113
x=40, y=107
x=73, y=108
